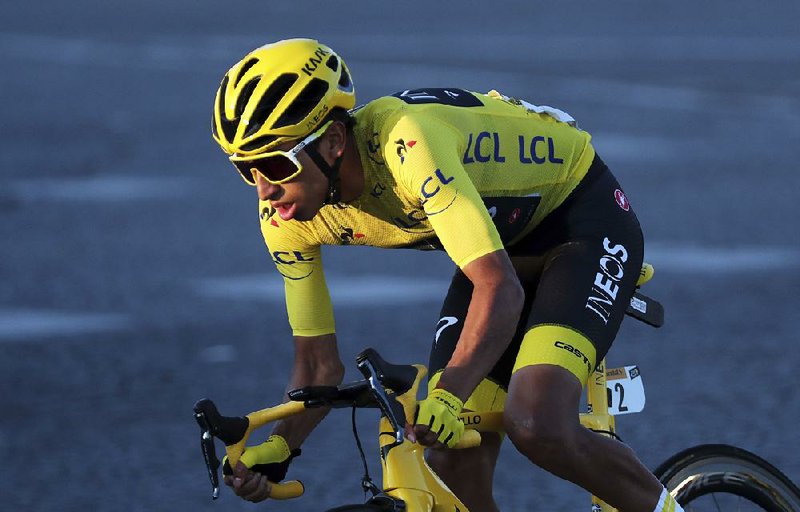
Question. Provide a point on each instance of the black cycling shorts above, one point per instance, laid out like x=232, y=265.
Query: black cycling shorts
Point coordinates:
x=578, y=268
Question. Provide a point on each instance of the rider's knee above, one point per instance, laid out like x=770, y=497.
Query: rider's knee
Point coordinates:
x=542, y=438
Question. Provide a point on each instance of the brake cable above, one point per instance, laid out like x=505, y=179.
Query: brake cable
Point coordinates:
x=366, y=481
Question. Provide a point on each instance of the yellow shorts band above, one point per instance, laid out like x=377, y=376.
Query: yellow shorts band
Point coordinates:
x=557, y=345
x=487, y=397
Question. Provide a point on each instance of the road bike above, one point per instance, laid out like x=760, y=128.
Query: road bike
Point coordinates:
x=705, y=477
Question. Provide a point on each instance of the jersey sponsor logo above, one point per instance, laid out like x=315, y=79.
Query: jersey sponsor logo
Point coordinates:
x=485, y=147
x=348, y=235
x=378, y=190
x=285, y=260
x=622, y=200
x=289, y=257
x=373, y=149
x=478, y=151
x=412, y=219
x=605, y=287
x=442, y=324
x=267, y=213
x=511, y=215
x=432, y=184
x=574, y=351
x=403, y=147
x=313, y=63
x=535, y=153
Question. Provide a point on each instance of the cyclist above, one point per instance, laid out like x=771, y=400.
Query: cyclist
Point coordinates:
x=546, y=245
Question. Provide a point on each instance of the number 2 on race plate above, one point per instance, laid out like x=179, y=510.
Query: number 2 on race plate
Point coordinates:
x=625, y=390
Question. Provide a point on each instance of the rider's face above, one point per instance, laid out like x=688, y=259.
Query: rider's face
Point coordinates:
x=299, y=198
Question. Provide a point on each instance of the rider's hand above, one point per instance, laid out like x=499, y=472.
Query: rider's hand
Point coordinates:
x=437, y=419
x=259, y=467
x=248, y=485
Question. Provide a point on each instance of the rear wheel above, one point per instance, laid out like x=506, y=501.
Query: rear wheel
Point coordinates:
x=718, y=477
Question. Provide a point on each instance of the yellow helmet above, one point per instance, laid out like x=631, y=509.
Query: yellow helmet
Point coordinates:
x=279, y=92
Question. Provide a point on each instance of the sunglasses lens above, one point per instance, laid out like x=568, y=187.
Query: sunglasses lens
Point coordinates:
x=274, y=168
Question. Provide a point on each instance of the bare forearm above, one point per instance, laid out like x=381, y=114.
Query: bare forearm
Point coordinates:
x=488, y=328
x=316, y=363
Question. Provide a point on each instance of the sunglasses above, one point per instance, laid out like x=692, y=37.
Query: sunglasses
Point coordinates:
x=275, y=166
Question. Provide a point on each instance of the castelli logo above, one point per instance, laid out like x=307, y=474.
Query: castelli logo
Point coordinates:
x=622, y=200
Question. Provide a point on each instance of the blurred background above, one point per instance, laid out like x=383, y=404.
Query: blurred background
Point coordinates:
x=134, y=280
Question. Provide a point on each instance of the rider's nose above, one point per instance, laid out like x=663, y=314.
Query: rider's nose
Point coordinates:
x=266, y=190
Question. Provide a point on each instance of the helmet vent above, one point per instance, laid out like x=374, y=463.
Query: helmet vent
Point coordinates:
x=333, y=62
x=245, y=95
x=345, y=83
x=228, y=125
x=306, y=101
x=245, y=68
x=258, y=143
x=266, y=105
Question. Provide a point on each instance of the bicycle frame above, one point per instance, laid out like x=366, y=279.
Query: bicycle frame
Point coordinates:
x=598, y=418
x=407, y=478
x=406, y=475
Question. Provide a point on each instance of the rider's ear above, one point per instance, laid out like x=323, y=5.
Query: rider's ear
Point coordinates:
x=335, y=139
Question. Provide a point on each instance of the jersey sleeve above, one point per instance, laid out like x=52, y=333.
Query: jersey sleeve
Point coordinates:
x=299, y=260
x=428, y=163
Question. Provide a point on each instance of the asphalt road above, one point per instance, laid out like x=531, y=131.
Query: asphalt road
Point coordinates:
x=133, y=278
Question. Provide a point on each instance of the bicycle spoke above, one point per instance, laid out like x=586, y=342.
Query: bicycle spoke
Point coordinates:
x=719, y=509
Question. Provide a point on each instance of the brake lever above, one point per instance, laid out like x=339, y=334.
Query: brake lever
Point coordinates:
x=209, y=451
x=388, y=405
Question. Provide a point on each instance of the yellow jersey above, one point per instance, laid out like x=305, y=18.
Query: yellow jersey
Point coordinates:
x=447, y=169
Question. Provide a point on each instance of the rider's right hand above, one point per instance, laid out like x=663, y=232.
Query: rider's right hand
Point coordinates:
x=248, y=485
x=258, y=468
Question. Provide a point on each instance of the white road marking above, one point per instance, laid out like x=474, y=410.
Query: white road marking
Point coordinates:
x=219, y=354
x=356, y=291
x=636, y=148
x=27, y=324
x=385, y=289
x=682, y=258
x=101, y=188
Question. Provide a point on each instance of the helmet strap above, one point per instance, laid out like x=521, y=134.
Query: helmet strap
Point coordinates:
x=330, y=171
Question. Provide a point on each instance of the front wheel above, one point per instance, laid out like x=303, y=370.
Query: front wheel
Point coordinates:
x=720, y=477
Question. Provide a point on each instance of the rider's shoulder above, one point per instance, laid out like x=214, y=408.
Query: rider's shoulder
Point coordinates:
x=389, y=115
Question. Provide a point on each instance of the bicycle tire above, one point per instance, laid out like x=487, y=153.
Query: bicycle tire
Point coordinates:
x=726, y=472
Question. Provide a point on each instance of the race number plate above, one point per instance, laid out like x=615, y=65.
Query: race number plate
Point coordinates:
x=625, y=390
